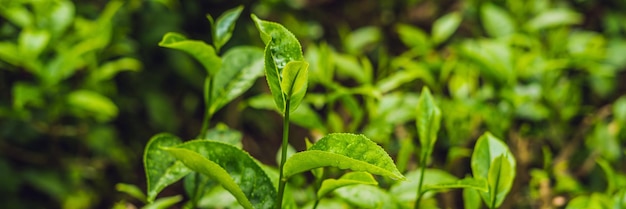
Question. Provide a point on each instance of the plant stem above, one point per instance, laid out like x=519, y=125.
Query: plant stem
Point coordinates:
x=208, y=84
x=283, y=159
x=419, y=185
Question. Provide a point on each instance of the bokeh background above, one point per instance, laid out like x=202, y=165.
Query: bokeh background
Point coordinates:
x=84, y=85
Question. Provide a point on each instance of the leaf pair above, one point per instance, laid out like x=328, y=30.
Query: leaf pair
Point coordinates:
x=285, y=69
x=167, y=160
x=492, y=161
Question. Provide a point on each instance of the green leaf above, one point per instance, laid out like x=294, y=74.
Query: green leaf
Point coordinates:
x=163, y=203
x=109, y=69
x=471, y=199
x=345, y=151
x=500, y=180
x=405, y=191
x=428, y=122
x=445, y=26
x=347, y=179
x=281, y=48
x=357, y=41
x=497, y=21
x=294, y=82
x=224, y=26
x=32, y=42
x=26, y=94
x=161, y=168
x=414, y=37
x=202, y=52
x=488, y=163
x=131, y=190
x=241, y=66
x=233, y=168
x=553, y=18
x=477, y=184
x=366, y=196
x=93, y=103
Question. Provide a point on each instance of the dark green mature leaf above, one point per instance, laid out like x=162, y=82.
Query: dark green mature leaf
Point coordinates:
x=445, y=26
x=497, y=21
x=345, y=151
x=161, y=168
x=233, y=168
x=428, y=122
x=487, y=163
x=241, y=66
x=202, y=52
x=294, y=82
x=347, y=179
x=281, y=48
x=224, y=26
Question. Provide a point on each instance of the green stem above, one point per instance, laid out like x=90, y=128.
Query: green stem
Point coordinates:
x=207, y=105
x=318, y=184
x=283, y=159
x=419, y=185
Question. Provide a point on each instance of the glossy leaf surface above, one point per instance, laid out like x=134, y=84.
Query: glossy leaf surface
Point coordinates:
x=162, y=169
x=224, y=26
x=241, y=66
x=202, y=52
x=294, y=82
x=281, y=48
x=233, y=168
x=347, y=179
x=345, y=151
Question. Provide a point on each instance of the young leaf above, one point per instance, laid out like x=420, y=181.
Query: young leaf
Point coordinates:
x=405, y=191
x=241, y=66
x=471, y=199
x=161, y=168
x=204, y=53
x=233, y=168
x=93, y=103
x=345, y=151
x=224, y=26
x=366, y=196
x=294, y=82
x=131, y=190
x=281, y=48
x=487, y=163
x=552, y=18
x=497, y=21
x=445, y=26
x=500, y=180
x=351, y=178
x=428, y=122
x=477, y=184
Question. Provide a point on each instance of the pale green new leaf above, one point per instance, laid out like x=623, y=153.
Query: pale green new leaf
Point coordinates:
x=497, y=21
x=478, y=184
x=161, y=168
x=428, y=122
x=241, y=66
x=445, y=26
x=500, y=180
x=294, y=82
x=347, y=179
x=224, y=26
x=93, y=104
x=281, y=48
x=367, y=196
x=345, y=151
x=131, y=190
x=202, y=52
x=488, y=163
x=230, y=166
x=553, y=18
x=32, y=42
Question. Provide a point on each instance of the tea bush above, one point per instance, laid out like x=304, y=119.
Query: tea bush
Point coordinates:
x=391, y=104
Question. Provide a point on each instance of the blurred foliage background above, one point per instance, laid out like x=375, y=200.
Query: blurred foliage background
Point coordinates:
x=84, y=85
